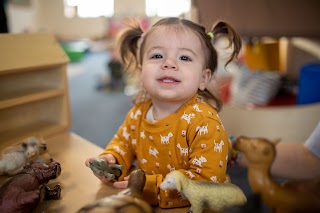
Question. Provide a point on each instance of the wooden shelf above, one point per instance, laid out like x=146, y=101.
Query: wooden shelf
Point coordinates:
x=27, y=96
x=34, y=95
x=39, y=128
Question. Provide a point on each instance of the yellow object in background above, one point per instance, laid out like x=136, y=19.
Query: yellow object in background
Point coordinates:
x=263, y=56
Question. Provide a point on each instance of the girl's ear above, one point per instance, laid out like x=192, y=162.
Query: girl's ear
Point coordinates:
x=206, y=76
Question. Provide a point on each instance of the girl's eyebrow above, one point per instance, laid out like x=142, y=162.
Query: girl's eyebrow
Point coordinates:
x=182, y=48
x=188, y=50
x=154, y=48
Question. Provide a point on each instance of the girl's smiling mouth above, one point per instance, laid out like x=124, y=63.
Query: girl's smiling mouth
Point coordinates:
x=168, y=80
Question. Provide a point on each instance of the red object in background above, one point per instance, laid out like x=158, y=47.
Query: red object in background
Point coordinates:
x=225, y=89
x=283, y=100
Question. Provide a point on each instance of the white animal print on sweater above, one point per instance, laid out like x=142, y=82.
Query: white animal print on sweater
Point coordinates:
x=118, y=150
x=191, y=175
x=125, y=134
x=199, y=161
x=214, y=179
x=188, y=117
x=153, y=152
x=183, y=151
x=218, y=146
x=142, y=135
x=196, y=107
x=136, y=114
x=199, y=99
x=143, y=161
x=165, y=139
x=202, y=129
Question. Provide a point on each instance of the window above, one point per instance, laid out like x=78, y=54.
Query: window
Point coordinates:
x=88, y=8
x=166, y=8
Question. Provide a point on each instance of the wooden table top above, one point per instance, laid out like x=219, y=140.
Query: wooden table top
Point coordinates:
x=79, y=185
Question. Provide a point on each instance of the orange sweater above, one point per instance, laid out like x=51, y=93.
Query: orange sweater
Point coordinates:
x=192, y=140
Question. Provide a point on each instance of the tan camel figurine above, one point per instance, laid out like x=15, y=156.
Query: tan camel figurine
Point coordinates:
x=291, y=196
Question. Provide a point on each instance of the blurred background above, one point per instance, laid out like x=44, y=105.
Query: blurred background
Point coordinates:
x=272, y=91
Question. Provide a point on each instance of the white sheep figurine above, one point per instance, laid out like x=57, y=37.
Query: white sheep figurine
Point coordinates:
x=204, y=194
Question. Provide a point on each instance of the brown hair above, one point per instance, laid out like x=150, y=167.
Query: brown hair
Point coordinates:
x=129, y=47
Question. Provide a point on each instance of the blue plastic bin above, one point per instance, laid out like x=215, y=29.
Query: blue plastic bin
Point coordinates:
x=309, y=84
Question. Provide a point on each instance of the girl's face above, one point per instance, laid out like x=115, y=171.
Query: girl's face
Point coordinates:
x=173, y=67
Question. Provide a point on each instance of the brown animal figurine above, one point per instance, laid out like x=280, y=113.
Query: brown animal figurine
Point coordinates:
x=297, y=196
x=24, y=191
x=126, y=201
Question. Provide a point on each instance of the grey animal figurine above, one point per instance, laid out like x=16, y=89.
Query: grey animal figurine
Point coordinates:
x=103, y=168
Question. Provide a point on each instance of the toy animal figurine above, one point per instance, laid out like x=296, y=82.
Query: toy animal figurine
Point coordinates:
x=253, y=205
x=43, y=155
x=103, y=168
x=14, y=158
x=126, y=201
x=23, y=192
x=204, y=194
x=297, y=196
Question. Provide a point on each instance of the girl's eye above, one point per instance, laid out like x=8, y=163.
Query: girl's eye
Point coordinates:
x=156, y=56
x=185, y=58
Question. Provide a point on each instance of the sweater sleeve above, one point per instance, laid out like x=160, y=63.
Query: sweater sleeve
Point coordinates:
x=209, y=151
x=121, y=148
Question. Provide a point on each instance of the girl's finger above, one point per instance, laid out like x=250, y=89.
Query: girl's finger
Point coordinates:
x=120, y=184
x=88, y=162
x=110, y=158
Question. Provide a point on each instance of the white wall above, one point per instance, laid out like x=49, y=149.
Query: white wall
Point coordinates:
x=20, y=18
x=292, y=124
x=47, y=15
x=50, y=17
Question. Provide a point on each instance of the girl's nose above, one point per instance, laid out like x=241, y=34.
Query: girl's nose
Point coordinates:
x=169, y=64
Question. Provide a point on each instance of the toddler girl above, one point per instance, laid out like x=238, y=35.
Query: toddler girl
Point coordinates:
x=174, y=124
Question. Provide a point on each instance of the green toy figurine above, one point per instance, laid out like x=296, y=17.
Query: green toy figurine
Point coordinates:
x=103, y=168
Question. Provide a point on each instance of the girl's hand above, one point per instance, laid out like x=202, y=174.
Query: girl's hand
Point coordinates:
x=122, y=184
x=107, y=157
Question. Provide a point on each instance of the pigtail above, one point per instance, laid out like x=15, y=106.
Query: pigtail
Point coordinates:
x=214, y=100
x=224, y=29
x=128, y=44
